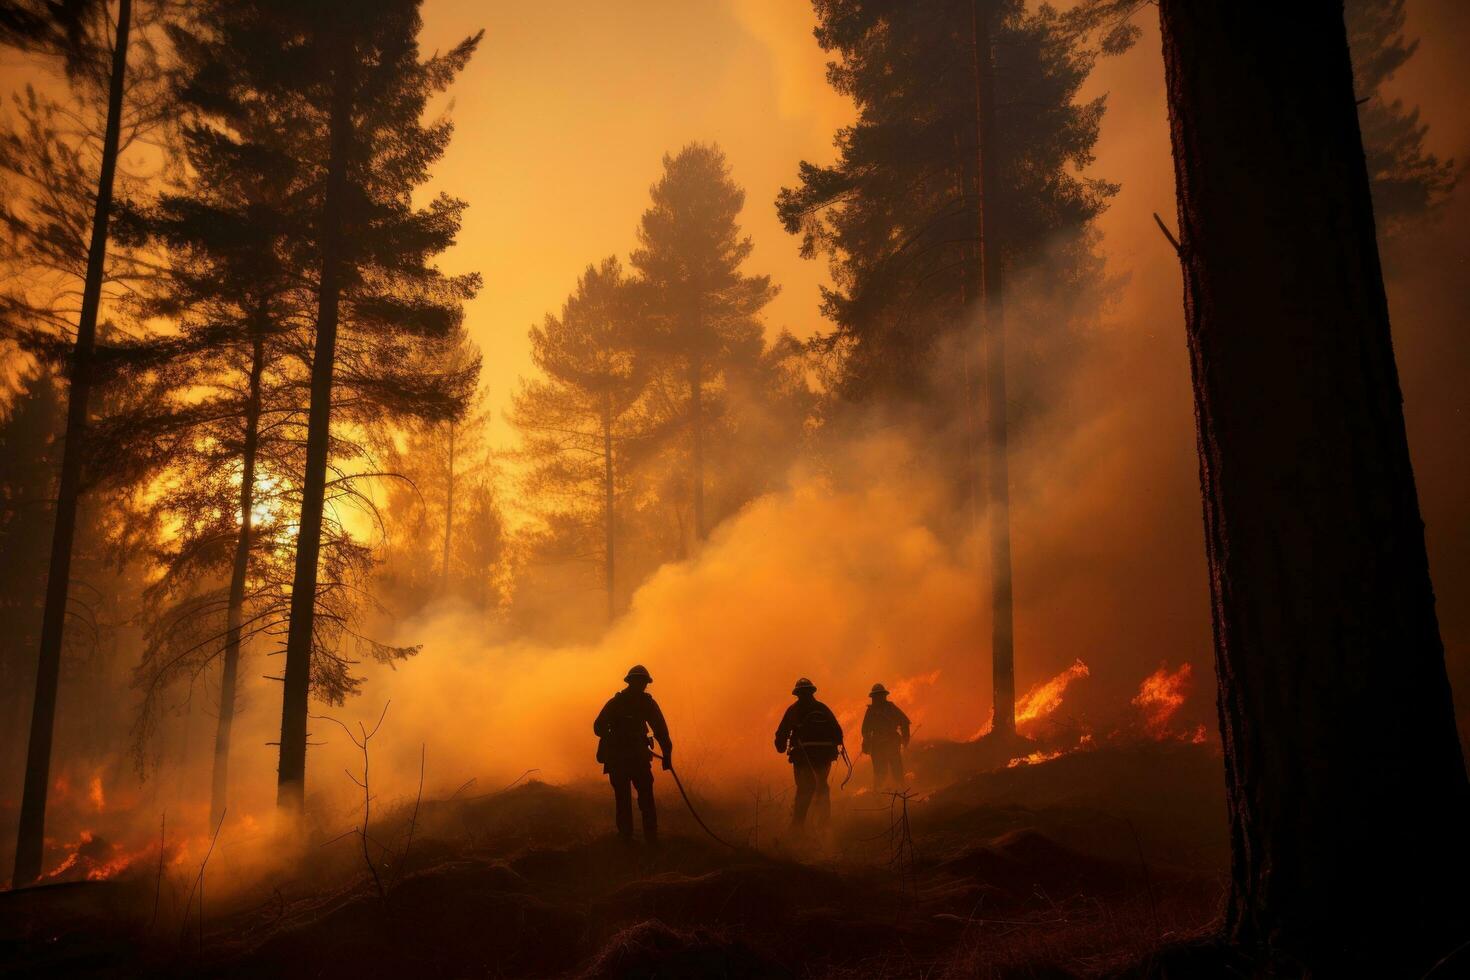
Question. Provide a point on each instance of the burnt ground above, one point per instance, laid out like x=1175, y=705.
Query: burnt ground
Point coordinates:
x=1083, y=866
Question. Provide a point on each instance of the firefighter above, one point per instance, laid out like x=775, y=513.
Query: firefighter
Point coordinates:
x=811, y=737
x=624, y=749
x=885, y=736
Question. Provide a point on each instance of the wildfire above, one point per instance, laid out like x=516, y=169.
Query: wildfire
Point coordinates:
x=95, y=794
x=1046, y=697
x=905, y=689
x=1041, y=700
x=1161, y=695
x=1034, y=758
x=91, y=858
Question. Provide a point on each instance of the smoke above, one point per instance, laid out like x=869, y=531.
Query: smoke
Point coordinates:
x=841, y=582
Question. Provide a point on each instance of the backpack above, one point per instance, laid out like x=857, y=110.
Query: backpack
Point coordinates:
x=817, y=730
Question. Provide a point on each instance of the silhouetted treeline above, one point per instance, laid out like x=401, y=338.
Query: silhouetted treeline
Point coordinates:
x=660, y=408
x=273, y=302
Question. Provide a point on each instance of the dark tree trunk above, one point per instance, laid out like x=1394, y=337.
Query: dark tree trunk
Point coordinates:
x=696, y=415
x=992, y=319
x=30, y=842
x=239, y=572
x=607, y=506
x=1349, y=804
x=448, y=515
x=291, y=775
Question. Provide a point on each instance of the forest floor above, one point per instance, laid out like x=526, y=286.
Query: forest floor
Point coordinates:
x=1082, y=866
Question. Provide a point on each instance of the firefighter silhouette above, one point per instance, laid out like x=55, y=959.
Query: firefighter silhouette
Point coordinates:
x=811, y=737
x=885, y=735
x=622, y=728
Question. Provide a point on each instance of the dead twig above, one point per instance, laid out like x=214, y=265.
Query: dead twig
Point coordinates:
x=1178, y=250
x=158, y=881
x=412, y=822
x=367, y=795
x=199, y=886
x=504, y=789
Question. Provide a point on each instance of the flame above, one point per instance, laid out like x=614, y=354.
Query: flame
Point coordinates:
x=1045, y=698
x=1041, y=700
x=1034, y=758
x=91, y=858
x=95, y=794
x=1161, y=695
x=905, y=689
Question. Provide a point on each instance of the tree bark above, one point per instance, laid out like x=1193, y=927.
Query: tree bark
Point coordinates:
x=1346, y=786
x=992, y=329
x=30, y=842
x=239, y=572
x=607, y=505
x=291, y=774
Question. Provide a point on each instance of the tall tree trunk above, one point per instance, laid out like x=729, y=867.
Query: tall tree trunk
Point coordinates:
x=607, y=505
x=696, y=414
x=291, y=774
x=448, y=515
x=239, y=572
x=1346, y=787
x=992, y=320
x=30, y=842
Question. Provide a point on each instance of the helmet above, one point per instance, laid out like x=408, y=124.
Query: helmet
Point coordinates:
x=802, y=684
x=640, y=673
x=877, y=689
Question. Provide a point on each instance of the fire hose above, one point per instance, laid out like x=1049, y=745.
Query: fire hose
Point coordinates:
x=690, y=804
x=842, y=750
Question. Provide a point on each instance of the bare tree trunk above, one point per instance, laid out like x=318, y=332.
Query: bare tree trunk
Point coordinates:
x=696, y=413
x=291, y=775
x=448, y=515
x=608, y=510
x=992, y=320
x=239, y=572
x=30, y=842
x=1347, y=791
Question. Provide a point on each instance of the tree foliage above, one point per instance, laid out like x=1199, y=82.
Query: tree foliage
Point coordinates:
x=896, y=214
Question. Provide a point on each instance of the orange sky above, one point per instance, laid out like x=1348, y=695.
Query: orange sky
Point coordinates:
x=562, y=119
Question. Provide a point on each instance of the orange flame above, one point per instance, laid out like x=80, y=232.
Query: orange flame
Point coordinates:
x=95, y=794
x=1041, y=700
x=93, y=858
x=1045, y=698
x=1161, y=695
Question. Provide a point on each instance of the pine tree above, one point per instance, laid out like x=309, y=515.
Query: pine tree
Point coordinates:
x=351, y=72
x=577, y=420
x=963, y=169
x=333, y=94
x=1320, y=589
x=1408, y=181
x=89, y=37
x=226, y=232
x=53, y=28
x=441, y=486
x=704, y=308
x=30, y=444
